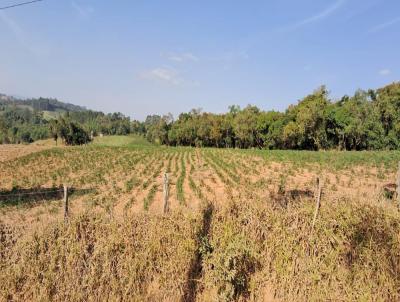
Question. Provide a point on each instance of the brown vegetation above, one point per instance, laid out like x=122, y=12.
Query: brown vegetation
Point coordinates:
x=239, y=228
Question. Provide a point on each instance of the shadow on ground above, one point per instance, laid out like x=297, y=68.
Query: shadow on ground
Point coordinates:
x=30, y=196
x=195, y=270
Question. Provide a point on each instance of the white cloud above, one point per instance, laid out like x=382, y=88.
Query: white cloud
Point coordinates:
x=230, y=58
x=325, y=13
x=22, y=37
x=235, y=56
x=83, y=11
x=382, y=26
x=384, y=72
x=14, y=27
x=317, y=17
x=184, y=57
x=167, y=75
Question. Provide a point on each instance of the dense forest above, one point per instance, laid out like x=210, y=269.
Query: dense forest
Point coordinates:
x=368, y=120
x=39, y=104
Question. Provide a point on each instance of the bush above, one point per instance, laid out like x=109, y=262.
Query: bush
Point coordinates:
x=73, y=134
x=231, y=263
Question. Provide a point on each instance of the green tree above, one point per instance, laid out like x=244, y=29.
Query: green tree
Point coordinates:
x=308, y=127
x=388, y=105
x=54, y=128
x=71, y=132
x=245, y=127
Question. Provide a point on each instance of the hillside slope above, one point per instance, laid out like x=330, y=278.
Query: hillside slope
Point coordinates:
x=51, y=107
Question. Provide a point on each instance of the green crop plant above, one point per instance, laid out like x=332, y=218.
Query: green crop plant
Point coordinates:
x=179, y=184
x=195, y=188
x=150, y=197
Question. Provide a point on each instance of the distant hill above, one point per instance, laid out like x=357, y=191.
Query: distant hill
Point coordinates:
x=51, y=107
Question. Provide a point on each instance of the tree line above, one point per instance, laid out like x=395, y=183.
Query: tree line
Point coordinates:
x=78, y=128
x=20, y=123
x=368, y=120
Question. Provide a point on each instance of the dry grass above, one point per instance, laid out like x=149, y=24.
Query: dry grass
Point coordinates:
x=10, y=152
x=353, y=254
x=94, y=258
x=248, y=251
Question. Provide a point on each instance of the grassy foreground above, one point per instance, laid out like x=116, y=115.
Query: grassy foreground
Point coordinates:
x=249, y=251
x=239, y=229
x=120, y=141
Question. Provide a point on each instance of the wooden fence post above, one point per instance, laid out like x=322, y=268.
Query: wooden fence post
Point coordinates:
x=398, y=185
x=65, y=203
x=166, y=193
x=318, y=193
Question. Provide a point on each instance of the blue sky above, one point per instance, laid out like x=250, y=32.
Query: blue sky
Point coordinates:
x=145, y=57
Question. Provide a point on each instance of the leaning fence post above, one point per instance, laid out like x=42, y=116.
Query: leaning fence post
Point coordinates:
x=166, y=193
x=318, y=201
x=398, y=185
x=65, y=203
